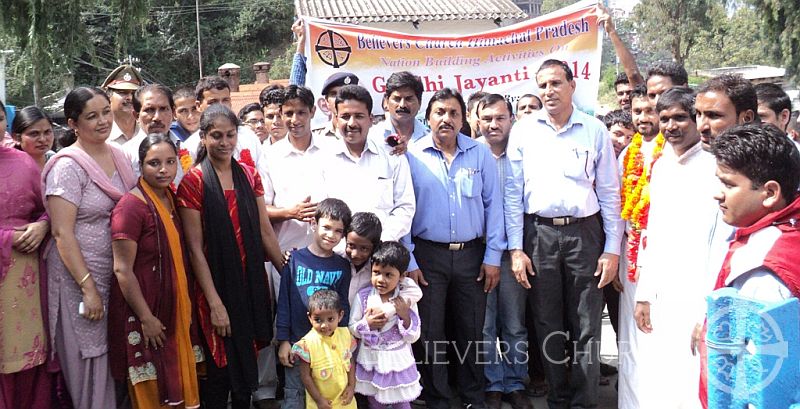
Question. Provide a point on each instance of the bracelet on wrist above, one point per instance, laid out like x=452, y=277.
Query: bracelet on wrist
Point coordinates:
x=83, y=280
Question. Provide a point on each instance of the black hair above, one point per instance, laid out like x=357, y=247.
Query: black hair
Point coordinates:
x=621, y=117
x=209, y=83
x=404, y=79
x=445, y=94
x=678, y=96
x=184, y=92
x=739, y=90
x=368, y=226
x=334, y=209
x=74, y=103
x=556, y=63
x=2, y=107
x=154, y=139
x=539, y=100
x=324, y=299
x=25, y=118
x=299, y=92
x=207, y=120
x=152, y=88
x=761, y=153
x=491, y=99
x=676, y=73
x=639, y=91
x=272, y=94
x=354, y=92
x=392, y=254
x=622, y=78
x=253, y=106
x=774, y=97
x=474, y=98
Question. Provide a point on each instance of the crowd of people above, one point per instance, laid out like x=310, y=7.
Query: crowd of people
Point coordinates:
x=174, y=253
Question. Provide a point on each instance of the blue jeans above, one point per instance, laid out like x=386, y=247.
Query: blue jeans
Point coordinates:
x=505, y=319
x=294, y=393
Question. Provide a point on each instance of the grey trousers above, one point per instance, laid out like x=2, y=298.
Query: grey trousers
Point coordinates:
x=567, y=307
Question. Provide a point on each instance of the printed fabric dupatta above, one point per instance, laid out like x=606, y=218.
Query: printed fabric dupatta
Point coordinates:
x=96, y=173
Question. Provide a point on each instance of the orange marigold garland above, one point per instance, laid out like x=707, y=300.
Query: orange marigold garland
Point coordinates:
x=185, y=159
x=635, y=195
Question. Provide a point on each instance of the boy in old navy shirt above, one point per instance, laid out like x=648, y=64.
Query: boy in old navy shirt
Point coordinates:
x=309, y=270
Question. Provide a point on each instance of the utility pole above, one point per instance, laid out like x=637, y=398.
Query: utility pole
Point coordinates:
x=199, y=51
x=3, y=54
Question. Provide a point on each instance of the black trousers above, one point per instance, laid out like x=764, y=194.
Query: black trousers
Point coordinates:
x=567, y=305
x=215, y=388
x=452, y=296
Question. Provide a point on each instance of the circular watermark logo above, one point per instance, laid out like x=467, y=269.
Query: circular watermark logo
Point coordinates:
x=734, y=338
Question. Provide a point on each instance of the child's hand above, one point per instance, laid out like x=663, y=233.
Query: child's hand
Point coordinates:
x=324, y=404
x=285, y=354
x=347, y=395
x=402, y=307
x=376, y=319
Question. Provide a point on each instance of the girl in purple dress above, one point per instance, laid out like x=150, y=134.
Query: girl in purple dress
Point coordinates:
x=387, y=324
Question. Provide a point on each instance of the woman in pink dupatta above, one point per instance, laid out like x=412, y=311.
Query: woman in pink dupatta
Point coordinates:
x=82, y=184
x=24, y=379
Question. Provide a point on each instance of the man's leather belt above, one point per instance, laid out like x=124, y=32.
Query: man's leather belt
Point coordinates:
x=559, y=221
x=452, y=246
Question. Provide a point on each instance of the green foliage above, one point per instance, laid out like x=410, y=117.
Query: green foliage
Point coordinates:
x=606, y=95
x=81, y=41
x=672, y=25
x=781, y=23
x=549, y=6
x=731, y=41
x=282, y=66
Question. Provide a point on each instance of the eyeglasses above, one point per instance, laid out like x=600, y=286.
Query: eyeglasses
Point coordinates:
x=255, y=122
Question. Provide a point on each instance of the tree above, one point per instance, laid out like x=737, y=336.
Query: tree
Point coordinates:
x=672, y=25
x=781, y=23
x=731, y=41
x=549, y=6
x=81, y=41
x=50, y=37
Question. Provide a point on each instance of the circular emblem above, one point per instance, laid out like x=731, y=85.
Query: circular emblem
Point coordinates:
x=347, y=80
x=332, y=49
x=127, y=77
x=732, y=368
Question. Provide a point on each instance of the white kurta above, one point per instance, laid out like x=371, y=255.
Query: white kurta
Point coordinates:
x=674, y=277
x=628, y=377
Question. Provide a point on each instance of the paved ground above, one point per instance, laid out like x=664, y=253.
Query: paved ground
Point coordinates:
x=608, y=353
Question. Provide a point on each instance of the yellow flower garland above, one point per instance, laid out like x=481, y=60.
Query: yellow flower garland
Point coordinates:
x=635, y=194
x=636, y=178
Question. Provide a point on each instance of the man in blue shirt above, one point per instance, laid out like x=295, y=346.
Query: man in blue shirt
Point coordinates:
x=401, y=100
x=458, y=242
x=564, y=175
